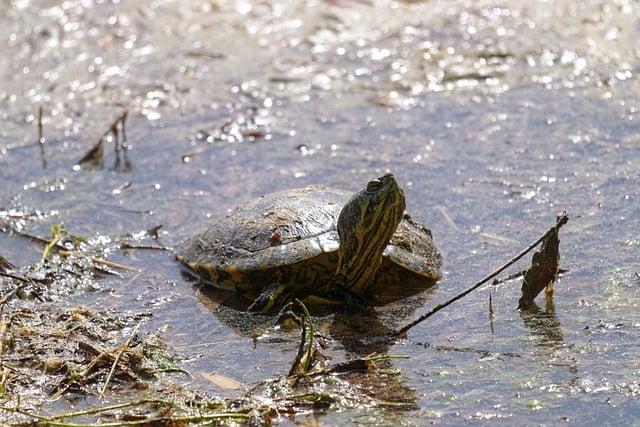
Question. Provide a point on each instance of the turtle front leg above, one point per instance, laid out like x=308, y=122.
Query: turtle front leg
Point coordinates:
x=277, y=295
x=274, y=296
x=345, y=297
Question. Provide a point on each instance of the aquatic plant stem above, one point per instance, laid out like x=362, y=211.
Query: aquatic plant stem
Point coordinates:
x=303, y=362
x=117, y=358
x=111, y=408
x=145, y=422
x=560, y=221
x=60, y=249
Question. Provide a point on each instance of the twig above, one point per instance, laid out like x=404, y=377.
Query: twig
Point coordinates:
x=37, y=239
x=99, y=260
x=112, y=264
x=490, y=308
x=110, y=408
x=145, y=422
x=96, y=153
x=12, y=292
x=520, y=273
x=21, y=412
x=64, y=252
x=117, y=358
x=31, y=237
x=481, y=352
x=447, y=216
x=102, y=355
x=123, y=126
x=196, y=151
x=490, y=313
x=40, y=135
x=129, y=245
x=560, y=221
x=13, y=276
x=5, y=264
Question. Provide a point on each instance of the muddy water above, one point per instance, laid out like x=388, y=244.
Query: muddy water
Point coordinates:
x=493, y=115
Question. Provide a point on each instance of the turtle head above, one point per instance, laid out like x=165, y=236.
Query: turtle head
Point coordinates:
x=365, y=226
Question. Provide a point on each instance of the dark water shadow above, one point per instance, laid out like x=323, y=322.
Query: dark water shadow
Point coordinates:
x=548, y=333
x=122, y=163
x=360, y=332
x=544, y=325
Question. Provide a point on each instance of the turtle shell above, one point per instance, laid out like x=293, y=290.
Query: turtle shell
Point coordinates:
x=291, y=236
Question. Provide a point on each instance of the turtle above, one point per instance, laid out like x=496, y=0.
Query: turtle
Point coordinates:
x=318, y=243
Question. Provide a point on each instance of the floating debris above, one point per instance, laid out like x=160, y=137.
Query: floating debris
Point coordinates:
x=95, y=156
x=544, y=266
x=222, y=381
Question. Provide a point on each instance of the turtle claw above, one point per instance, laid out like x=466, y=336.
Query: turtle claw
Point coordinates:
x=274, y=296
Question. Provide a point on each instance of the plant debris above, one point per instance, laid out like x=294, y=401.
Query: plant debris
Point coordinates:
x=95, y=156
x=58, y=233
x=561, y=220
x=308, y=355
x=222, y=381
x=65, y=352
x=75, y=354
x=5, y=265
x=152, y=233
x=544, y=266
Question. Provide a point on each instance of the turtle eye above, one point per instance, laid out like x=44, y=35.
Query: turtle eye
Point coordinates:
x=374, y=185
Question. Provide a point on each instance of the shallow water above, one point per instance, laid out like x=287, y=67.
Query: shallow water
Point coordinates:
x=494, y=116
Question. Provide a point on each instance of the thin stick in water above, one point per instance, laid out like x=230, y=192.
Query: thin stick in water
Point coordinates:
x=40, y=134
x=560, y=221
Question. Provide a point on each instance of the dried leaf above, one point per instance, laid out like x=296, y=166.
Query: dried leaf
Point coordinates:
x=544, y=268
x=222, y=381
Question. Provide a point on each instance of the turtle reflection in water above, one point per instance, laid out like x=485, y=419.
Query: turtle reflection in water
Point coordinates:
x=319, y=244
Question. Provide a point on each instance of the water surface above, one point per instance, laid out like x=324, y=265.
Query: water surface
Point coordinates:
x=494, y=116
